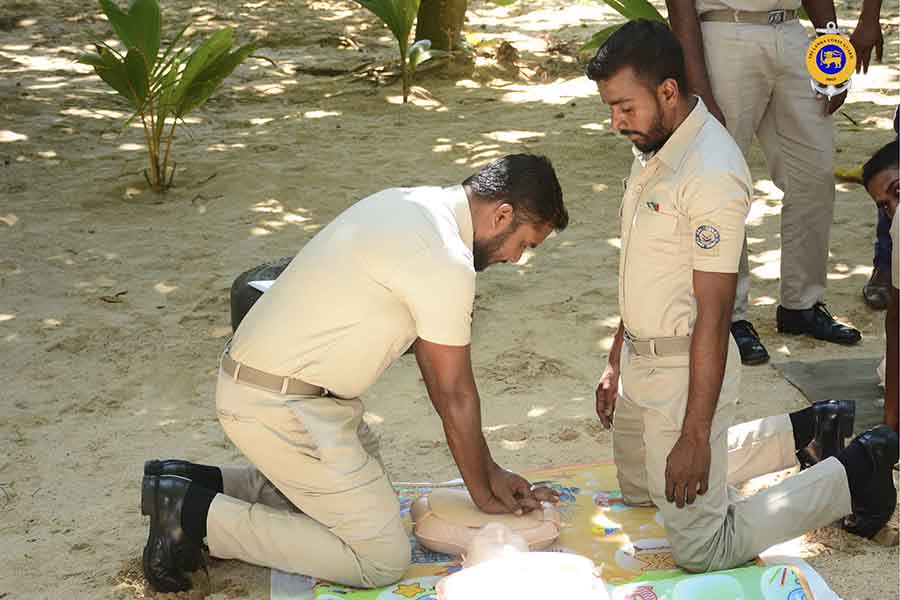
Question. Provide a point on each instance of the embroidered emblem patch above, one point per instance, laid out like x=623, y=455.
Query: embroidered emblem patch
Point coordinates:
x=707, y=237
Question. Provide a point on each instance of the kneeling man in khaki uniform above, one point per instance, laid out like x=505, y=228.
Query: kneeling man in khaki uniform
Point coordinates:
x=671, y=385
x=395, y=269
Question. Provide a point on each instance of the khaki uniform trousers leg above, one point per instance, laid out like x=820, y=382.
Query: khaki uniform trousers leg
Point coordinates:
x=759, y=79
x=760, y=447
x=348, y=529
x=247, y=483
x=755, y=448
x=720, y=530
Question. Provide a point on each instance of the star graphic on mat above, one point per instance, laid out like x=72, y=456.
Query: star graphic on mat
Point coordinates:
x=653, y=561
x=408, y=591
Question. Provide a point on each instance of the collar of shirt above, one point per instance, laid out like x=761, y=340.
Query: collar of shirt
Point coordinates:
x=676, y=147
x=458, y=202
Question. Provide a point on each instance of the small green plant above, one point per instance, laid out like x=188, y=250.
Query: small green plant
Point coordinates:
x=631, y=10
x=399, y=15
x=161, y=88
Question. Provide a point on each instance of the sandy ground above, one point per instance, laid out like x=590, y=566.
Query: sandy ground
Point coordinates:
x=114, y=305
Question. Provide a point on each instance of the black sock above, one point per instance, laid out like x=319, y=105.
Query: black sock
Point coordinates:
x=208, y=477
x=858, y=465
x=195, y=510
x=804, y=424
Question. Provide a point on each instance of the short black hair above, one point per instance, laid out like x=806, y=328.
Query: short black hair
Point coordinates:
x=888, y=156
x=648, y=47
x=528, y=183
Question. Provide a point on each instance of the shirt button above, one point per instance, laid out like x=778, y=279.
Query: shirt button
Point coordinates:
x=638, y=188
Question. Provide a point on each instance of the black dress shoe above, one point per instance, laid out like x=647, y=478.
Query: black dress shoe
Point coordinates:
x=179, y=468
x=752, y=350
x=876, y=505
x=169, y=553
x=816, y=322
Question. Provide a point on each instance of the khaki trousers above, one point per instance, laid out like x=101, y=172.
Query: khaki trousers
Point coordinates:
x=316, y=500
x=759, y=79
x=720, y=530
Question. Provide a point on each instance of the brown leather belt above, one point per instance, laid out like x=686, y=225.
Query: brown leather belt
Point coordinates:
x=241, y=373
x=772, y=17
x=659, y=347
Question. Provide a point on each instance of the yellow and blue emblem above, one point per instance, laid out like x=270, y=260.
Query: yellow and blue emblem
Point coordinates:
x=830, y=59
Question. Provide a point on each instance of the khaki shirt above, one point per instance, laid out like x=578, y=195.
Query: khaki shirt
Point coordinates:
x=747, y=5
x=683, y=211
x=895, y=250
x=393, y=267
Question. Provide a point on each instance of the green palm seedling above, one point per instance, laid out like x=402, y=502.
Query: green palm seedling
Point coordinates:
x=161, y=88
x=399, y=15
x=631, y=10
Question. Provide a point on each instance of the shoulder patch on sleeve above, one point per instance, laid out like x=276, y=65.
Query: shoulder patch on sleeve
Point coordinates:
x=707, y=237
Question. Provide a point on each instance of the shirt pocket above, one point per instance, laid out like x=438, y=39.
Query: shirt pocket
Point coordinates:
x=658, y=221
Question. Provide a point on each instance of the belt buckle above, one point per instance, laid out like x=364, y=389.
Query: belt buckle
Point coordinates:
x=776, y=17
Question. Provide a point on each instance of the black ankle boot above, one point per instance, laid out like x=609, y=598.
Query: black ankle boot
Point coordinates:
x=178, y=468
x=207, y=476
x=169, y=554
x=874, y=506
x=833, y=422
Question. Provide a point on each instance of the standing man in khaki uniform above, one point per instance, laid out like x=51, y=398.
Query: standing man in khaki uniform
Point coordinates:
x=395, y=269
x=747, y=60
x=682, y=230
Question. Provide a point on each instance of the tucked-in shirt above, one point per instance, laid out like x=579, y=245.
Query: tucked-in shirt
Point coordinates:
x=395, y=266
x=683, y=211
x=747, y=5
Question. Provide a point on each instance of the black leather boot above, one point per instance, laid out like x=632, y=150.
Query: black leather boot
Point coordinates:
x=178, y=468
x=875, y=505
x=832, y=425
x=207, y=476
x=169, y=554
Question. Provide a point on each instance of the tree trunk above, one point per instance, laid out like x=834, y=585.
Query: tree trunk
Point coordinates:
x=441, y=22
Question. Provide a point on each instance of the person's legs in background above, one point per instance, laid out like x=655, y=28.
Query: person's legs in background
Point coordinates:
x=877, y=291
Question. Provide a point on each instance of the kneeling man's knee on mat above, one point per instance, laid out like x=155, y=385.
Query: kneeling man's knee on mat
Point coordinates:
x=388, y=562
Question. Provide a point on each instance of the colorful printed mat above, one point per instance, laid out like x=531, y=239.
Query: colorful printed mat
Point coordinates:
x=628, y=544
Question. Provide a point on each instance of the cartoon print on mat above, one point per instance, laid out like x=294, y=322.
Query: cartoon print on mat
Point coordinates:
x=613, y=500
x=781, y=583
x=641, y=592
x=653, y=554
x=423, y=556
x=417, y=588
x=566, y=494
x=568, y=498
